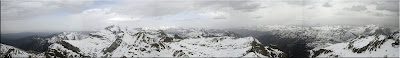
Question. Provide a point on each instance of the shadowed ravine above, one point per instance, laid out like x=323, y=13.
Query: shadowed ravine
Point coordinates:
x=293, y=47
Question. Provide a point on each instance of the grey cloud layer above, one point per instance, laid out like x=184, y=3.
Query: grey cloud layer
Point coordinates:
x=206, y=13
x=358, y=8
x=388, y=5
x=25, y=9
x=245, y=5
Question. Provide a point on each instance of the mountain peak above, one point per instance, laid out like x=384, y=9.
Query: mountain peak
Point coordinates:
x=363, y=46
x=113, y=28
x=144, y=43
x=66, y=36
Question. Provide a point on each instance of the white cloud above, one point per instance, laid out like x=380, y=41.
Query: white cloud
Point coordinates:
x=215, y=14
x=350, y=12
x=123, y=19
x=25, y=9
x=210, y=13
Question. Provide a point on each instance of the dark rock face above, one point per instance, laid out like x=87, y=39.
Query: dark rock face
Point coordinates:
x=113, y=46
x=53, y=52
x=320, y=51
x=373, y=45
x=110, y=28
x=168, y=39
x=177, y=37
x=34, y=43
x=158, y=46
x=7, y=54
x=179, y=53
x=69, y=46
x=274, y=47
x=397, y=41
x=259, y=48
x=62, y=54
x=293, y=47
x=97, y=36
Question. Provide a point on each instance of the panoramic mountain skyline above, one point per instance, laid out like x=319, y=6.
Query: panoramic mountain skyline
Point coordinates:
x=200, y=28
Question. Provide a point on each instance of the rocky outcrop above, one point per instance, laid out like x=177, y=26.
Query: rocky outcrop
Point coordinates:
x=371, y=46
x=69, y=46
x=63, y=50
x=363, y=46
x=275, y=52
x=7, y=51
x=179, y=53
x=113, y=46
x=320, y=51
x=119, y=42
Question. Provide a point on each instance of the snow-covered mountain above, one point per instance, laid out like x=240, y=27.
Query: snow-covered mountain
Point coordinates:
x=363, y=46
x=9, y=51
x=295, y=41
x=65, y=36
x=114, y=41
x=322, y=35
x=41, y=43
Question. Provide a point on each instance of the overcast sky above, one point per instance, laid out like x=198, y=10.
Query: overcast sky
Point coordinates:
x=81, y=15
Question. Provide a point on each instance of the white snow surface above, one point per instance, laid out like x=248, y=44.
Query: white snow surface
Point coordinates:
x=384, y=50
x=66, y=36
x=15, y=52
x=155, y=43
x=320, y=36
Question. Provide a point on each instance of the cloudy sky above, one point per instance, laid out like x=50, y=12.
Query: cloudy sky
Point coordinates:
x=81, y=15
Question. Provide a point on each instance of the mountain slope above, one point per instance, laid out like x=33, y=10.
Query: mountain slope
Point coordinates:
x=297, y=40
x=122, y=42
x=321, y=35
x=40, y=43
x=363, y=46
x=9, y=51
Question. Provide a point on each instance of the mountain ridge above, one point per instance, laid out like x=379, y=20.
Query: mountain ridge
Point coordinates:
x=114, y=41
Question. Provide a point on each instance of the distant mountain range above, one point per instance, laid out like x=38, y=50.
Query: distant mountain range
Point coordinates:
x=296, y=41
x=363, y=46
x=114, y=41
x=35, y=41
x=254, y=41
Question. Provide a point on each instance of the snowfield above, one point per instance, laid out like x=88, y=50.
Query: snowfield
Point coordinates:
x=9, y=51
x=321, y=36
x=114, y=41
x=370, y=46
